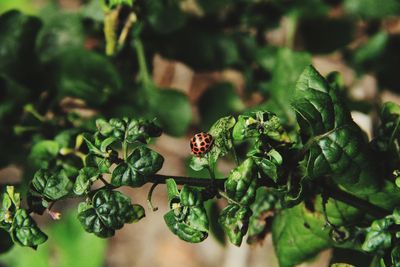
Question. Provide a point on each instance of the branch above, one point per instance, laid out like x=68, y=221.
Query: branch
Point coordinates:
x=356, y=202
x=181, y=180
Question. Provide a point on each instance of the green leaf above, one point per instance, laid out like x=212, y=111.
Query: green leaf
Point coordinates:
x=183, y=230
x=75, y=72
x=188, y=218
x=43, y=152
x=108, y=211
x=221, y=132
x=10, y=202
x=86, y=177
x=371, y=50
x=52, y=185
x=129, y=130
x=234, y=219
x=260, y=123
x=378, y=235
x=25, y=232
x=289, y=65
x=172, y=190
x=61, y=31
x=241, y=184
x=173, y=111
x=101, y=155
x=395, y=255
x=337, y=147
x=298, y=235
x=143, y=162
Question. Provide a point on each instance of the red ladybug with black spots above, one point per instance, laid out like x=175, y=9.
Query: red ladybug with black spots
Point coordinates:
x=201, y=143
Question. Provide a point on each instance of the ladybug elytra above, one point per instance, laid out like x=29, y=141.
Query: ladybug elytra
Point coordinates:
x=201, y=144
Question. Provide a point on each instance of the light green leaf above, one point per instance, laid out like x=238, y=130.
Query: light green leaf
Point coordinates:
x=241, y=184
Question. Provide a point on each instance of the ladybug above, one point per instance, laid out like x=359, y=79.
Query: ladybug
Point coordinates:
x=201, y=144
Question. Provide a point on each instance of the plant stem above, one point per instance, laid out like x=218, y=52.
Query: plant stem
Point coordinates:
x=110, y=26
x=128, y=25
x=334, y=193
x=181, y=180
x=144, y=75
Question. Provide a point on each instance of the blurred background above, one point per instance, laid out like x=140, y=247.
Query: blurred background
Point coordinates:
x=220, y=57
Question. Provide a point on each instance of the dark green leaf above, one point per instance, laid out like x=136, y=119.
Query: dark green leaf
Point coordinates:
x=142, y=163
x=61, y=31
x=234, y=219
x=74, y=76
x=52, y=185
x=187, y=218
x=25, y=232
x=108, y=211
x=337, y=147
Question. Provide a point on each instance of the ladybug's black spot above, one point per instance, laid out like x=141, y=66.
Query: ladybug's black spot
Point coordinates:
x=195, y=149
x=202, y=149
x=203, y=143
x=207, y=140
